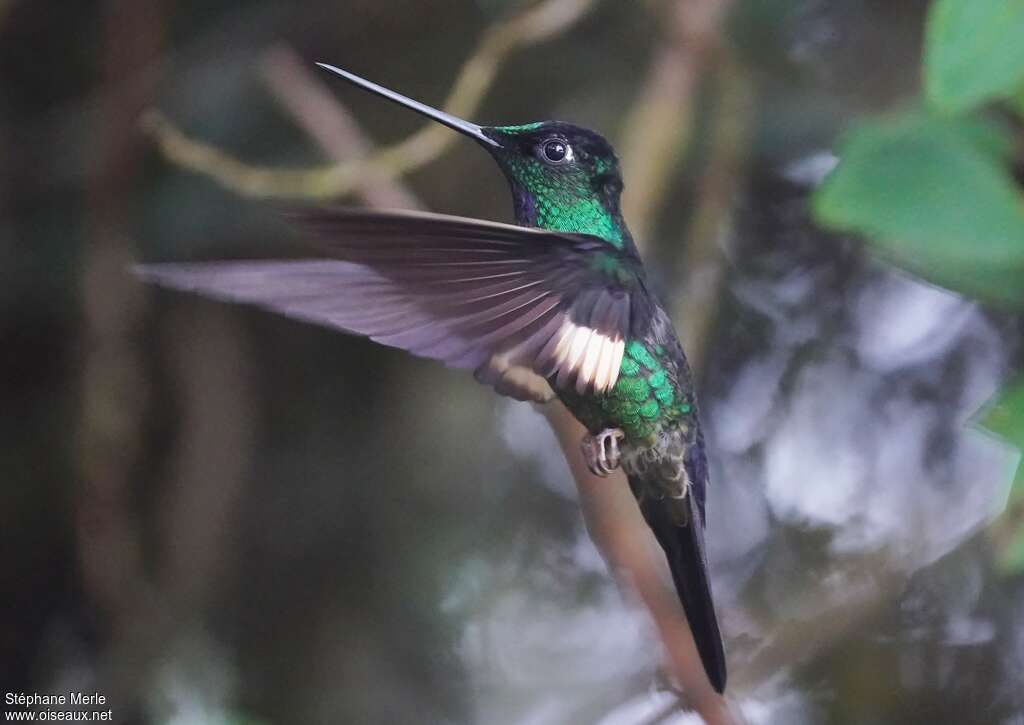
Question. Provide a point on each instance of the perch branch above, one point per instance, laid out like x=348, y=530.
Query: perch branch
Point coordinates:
x=617, y=527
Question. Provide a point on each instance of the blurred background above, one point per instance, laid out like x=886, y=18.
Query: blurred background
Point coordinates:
x=211, y=514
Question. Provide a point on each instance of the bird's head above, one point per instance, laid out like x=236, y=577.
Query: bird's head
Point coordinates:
x=563, y=177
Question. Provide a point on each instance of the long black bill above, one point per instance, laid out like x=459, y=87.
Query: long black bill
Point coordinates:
x=470, y=129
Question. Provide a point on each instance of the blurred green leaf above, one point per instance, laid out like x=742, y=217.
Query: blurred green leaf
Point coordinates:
x=1006, y=419
x=1018, y=101
x=1012, y=559
x=974, y=52
x=936, y=198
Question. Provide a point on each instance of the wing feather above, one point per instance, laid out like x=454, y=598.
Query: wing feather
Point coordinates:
x=522, y=306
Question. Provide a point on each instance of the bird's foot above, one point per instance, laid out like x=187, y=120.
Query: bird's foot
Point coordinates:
x=602, y=451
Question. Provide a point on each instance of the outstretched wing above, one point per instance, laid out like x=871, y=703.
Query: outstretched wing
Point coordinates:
x=519, y=306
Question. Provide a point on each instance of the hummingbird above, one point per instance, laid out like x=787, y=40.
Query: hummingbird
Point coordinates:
x=557, y=305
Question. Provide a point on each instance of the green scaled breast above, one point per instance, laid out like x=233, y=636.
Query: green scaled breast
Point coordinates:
x=642, y=400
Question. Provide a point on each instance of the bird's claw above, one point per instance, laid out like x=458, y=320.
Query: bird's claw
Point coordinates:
x=602, y=451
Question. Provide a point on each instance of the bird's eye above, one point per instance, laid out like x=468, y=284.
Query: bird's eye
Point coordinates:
x=556, y=151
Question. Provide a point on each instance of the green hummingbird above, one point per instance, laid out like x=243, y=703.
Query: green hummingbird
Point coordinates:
x=556, y=305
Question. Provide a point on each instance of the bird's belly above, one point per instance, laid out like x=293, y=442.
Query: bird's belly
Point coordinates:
x=658, y=472
x=660, y=465
x=641, y=406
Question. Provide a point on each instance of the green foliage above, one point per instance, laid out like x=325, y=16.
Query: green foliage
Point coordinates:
x=974, y=52
x=1017, y=101
x=1006, y=419
x=1012, y=559
x=935, y=197
x=933, y=192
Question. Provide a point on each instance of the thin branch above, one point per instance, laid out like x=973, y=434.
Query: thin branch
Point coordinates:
x=539, y=23
x=870, y=581
x=703, y=263
x=306, y=97
x=659, y=126
x=658, y=135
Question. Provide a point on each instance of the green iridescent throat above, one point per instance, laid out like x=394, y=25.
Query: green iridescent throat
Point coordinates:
x=583, y=216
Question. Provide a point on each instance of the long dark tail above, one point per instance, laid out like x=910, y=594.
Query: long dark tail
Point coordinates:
x=684, y=549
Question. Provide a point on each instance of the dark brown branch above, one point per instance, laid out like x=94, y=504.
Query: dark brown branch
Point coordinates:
x=114, y=389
